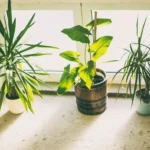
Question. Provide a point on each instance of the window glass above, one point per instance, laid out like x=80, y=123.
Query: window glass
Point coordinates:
x=123, y=30
x=47, y=28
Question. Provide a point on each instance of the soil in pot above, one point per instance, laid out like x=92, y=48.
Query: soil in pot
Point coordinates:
x=93, y=101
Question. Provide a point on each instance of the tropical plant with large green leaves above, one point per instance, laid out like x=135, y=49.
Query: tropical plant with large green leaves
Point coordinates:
x=83, y=73
x=12, y=56
x=136, y=68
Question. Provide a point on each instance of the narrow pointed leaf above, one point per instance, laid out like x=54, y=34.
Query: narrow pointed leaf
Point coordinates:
x=137, y=27
x=2, y=93
x=21, y=34
x=43, y=46
x=143, y=29
x=36, y=54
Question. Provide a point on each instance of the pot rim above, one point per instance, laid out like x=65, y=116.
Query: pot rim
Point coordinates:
x=97, y=84
x=11, y=99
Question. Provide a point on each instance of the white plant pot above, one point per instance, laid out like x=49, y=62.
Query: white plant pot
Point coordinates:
x=142, y=108
x=15, y=106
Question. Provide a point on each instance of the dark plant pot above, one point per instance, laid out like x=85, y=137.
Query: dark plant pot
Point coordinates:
x=93, y=101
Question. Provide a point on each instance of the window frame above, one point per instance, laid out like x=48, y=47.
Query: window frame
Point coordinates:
x=82, y=16
x=86, y=9
x=53, y=76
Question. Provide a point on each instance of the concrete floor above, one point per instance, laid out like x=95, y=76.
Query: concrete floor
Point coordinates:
x=57, y=125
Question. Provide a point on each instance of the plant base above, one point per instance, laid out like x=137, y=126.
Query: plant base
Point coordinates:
x=93, y=101
x=143, y=108
x=15, y=106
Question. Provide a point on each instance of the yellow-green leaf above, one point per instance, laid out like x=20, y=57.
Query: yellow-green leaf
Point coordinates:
x=100, y=46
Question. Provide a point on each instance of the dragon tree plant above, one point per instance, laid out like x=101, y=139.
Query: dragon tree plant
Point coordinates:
x=136, y=69
x=12, y=56
x=83, y=73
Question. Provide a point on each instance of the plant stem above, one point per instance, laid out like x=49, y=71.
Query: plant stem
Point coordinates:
x=95, y=29
x=90, y=53
x=85, y=54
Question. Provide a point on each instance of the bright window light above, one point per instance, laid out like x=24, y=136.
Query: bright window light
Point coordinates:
x=123, y=30
x=47, y=28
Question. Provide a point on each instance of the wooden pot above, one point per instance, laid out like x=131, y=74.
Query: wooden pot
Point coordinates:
x=93, y=101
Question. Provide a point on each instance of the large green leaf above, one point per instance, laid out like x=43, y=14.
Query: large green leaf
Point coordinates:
x=87, y=73
x=78, y=33
x=67, y=79
x=100, y=46
x=99, y=22
x=70, y=55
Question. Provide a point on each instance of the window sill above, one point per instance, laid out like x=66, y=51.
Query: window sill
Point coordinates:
x=112, y=90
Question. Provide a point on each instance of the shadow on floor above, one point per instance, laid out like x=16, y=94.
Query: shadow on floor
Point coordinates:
x=133, y=131
x=7, y=120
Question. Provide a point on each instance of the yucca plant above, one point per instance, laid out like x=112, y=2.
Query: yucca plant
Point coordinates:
x=12, y=56
x=137, y=67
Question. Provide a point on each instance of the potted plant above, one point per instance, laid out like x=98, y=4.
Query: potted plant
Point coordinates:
x=90, y=82
x=12, y=56
x=136, y=71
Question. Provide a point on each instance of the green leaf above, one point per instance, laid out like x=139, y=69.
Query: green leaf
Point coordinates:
x=137, y=27
x=32, y=85
x=43, y=46
x=99, y=22
x=146, y=59
x=65, y=73
x=143, y=29
x=109, y=61
x=78, y=33
x=9, y=16
x=67, y=79
x=3, y=32
x=87, y=73
x=25, y=61
x=32, y=80
x=21, y=34
x=36, y=54
x=3, y=74
x=28, y=48
x=2, y=93
x=13, y=28
x=70, y=55
x=2, y=51
x=100, y=46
